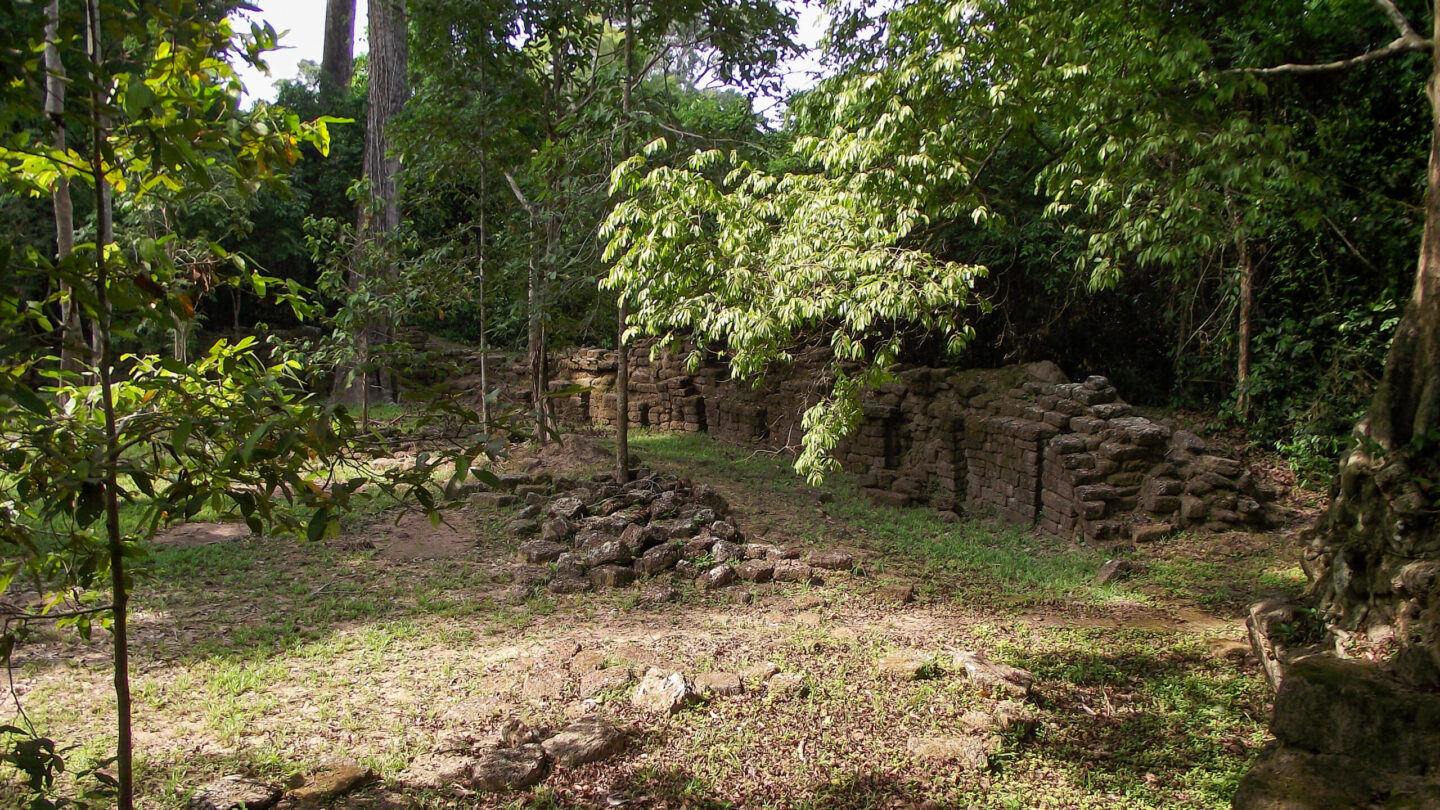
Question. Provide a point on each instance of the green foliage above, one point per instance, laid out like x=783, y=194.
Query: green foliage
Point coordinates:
x=1109, y=163
x=236, y=432
x=751, y=262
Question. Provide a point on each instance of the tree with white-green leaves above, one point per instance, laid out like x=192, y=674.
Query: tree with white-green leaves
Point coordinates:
x=1145, y=132
x=907, y=138
x=725, y=254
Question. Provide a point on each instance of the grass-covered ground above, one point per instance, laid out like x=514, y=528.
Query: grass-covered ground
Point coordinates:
x=268, y=657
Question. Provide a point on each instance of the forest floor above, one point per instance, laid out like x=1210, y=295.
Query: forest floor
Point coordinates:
x=270, y=658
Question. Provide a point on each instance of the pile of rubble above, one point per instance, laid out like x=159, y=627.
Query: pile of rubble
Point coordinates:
x=658, y=530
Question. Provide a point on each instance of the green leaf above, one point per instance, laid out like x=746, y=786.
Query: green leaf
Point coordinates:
x=180, y=435
x=315, y=531
x=28, y=400
x=138, y=96
x=143, y=481
x=485, y=477
x=89, y=503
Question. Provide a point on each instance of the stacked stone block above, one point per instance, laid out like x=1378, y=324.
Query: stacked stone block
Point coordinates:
x=1022, y=442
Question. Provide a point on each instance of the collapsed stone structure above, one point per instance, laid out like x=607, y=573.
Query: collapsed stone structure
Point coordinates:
x=1023, y=442
x=600, y=534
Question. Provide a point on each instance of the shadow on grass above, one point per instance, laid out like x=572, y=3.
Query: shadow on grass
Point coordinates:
x=654, y=788
x=1144, y=716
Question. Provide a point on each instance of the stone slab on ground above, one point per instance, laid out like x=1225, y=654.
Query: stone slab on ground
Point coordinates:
x=437, y=772
x=492, y=500
x=1300, y=780
x=759, y=673
x=658, y=594
x=717, y=577
x=329, y=782
x=540, y=551
x=794, y=571
x=510, y=768
x=597, y=681
x=970, y=753
x=568, y=584
x=234, y=793
x=542, y=685
x=832, y=560
x=905, y=665
x=611, y=576
x=1339, y=707
x=523, y=528
x=787, y=685
x=588, y=740
x=719, y=683
x=1116, y=570
x=587, y=661
x=993, y=677
x=898, y=594
x=756, y=570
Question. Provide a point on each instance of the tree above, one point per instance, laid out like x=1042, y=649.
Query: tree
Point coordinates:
x=380, y=210
x=337, y=60
x=155, y=438
x=1381, y=529
x=553, y=111
x=71, y=337
x=1152, y=148
x=388, y=91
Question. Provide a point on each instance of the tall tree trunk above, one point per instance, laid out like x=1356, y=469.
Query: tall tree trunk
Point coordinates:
x=550, y=220
x=388, y=87
x=380, y=216
x=535, y=353
x=72, y=337
x=338, y=59
x=484, y=343
x=622, y=348
x=1374, y=561
x=1243, y=336
x=535, y=323
x=104, y=361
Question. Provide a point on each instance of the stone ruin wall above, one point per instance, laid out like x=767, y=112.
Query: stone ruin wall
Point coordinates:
x=1023, y=442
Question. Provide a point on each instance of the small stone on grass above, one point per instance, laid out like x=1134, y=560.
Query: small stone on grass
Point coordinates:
x=663, y=693
x=905, y=665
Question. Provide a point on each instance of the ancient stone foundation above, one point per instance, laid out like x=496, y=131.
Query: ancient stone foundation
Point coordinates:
x=1023, y=442
x=1347, y=735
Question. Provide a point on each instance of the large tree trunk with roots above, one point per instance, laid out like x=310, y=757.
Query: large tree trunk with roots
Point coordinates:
x=1374, y=561
x=338, y=58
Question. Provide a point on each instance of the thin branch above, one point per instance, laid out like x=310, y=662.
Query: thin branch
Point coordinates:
x=68, y=614
x=1349, y=244
x=1397, y=18
x=704, y=138
x=1409, y=42
x=519, y=195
